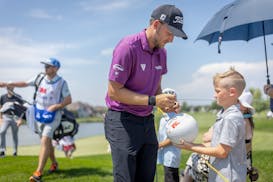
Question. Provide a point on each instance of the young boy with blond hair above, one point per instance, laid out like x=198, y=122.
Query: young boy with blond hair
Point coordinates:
x=227, y=149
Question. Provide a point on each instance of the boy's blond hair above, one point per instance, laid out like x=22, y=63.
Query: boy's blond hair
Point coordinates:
x=232, y=78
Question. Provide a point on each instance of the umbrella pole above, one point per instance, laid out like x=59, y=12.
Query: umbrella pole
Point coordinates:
x=265, y=51
x=267, y=75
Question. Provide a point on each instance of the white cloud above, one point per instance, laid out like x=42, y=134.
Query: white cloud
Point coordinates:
x=104, y=6
x=200, y=90
x=16, y=52
x=81, y=62
x=19, y=55
x=20, y=61
x=42, y=14
x=10, y=31
x=107, y=52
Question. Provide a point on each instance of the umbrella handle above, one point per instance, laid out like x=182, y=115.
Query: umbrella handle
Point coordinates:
x=219, y=43
x=271, y=102
x=270, y=98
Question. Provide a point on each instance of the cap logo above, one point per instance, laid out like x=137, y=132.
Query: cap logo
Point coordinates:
x=162, y=17
x=178, y=19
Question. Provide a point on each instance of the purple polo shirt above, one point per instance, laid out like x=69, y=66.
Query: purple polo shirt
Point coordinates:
x=138, y=68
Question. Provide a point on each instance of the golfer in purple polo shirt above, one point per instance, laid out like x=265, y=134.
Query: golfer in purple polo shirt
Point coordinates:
x=138, y=64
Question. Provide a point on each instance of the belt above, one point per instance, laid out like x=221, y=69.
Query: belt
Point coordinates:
x=136, y=116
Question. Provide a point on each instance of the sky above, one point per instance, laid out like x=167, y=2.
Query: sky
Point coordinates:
x=82, y=35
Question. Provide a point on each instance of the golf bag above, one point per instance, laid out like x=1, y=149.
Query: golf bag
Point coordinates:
x=67, y=127
x=14, y=108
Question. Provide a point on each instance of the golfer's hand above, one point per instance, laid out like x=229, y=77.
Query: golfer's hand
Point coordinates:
x=167, y=102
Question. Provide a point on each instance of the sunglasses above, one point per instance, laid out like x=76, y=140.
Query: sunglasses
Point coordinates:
x=48, y=66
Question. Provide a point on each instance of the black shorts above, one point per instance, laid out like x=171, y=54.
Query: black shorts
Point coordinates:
x=171, y=174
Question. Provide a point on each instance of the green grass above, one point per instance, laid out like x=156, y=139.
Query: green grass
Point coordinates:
x=96, y=168
x=91, y=161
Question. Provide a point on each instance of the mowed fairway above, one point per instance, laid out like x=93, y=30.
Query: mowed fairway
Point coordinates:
x=85, y=146
x=92, y=162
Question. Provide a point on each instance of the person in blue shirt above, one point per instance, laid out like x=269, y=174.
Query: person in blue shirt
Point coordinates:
x=168, y=155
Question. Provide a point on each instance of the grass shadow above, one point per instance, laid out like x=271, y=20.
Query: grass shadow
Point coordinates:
x=78, y=172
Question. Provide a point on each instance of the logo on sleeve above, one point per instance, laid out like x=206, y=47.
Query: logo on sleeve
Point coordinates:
x=117, y=68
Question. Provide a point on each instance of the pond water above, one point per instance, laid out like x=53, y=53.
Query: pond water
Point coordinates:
x=27, y=137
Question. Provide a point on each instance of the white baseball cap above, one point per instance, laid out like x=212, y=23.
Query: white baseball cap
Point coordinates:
x=246, y=100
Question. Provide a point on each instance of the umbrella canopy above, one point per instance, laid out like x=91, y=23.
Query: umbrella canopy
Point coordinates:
x=241, y=20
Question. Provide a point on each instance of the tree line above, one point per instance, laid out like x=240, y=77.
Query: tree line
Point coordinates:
x=259, y=103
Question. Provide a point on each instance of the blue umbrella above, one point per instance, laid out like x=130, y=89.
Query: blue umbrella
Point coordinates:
x=240, y=20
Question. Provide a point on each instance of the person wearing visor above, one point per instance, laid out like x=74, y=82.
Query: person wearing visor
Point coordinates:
x=168, y=155
x=52, y=94
x=134, y=88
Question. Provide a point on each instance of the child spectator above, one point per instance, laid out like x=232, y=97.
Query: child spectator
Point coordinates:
x=168, y=155
x=227, y=149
